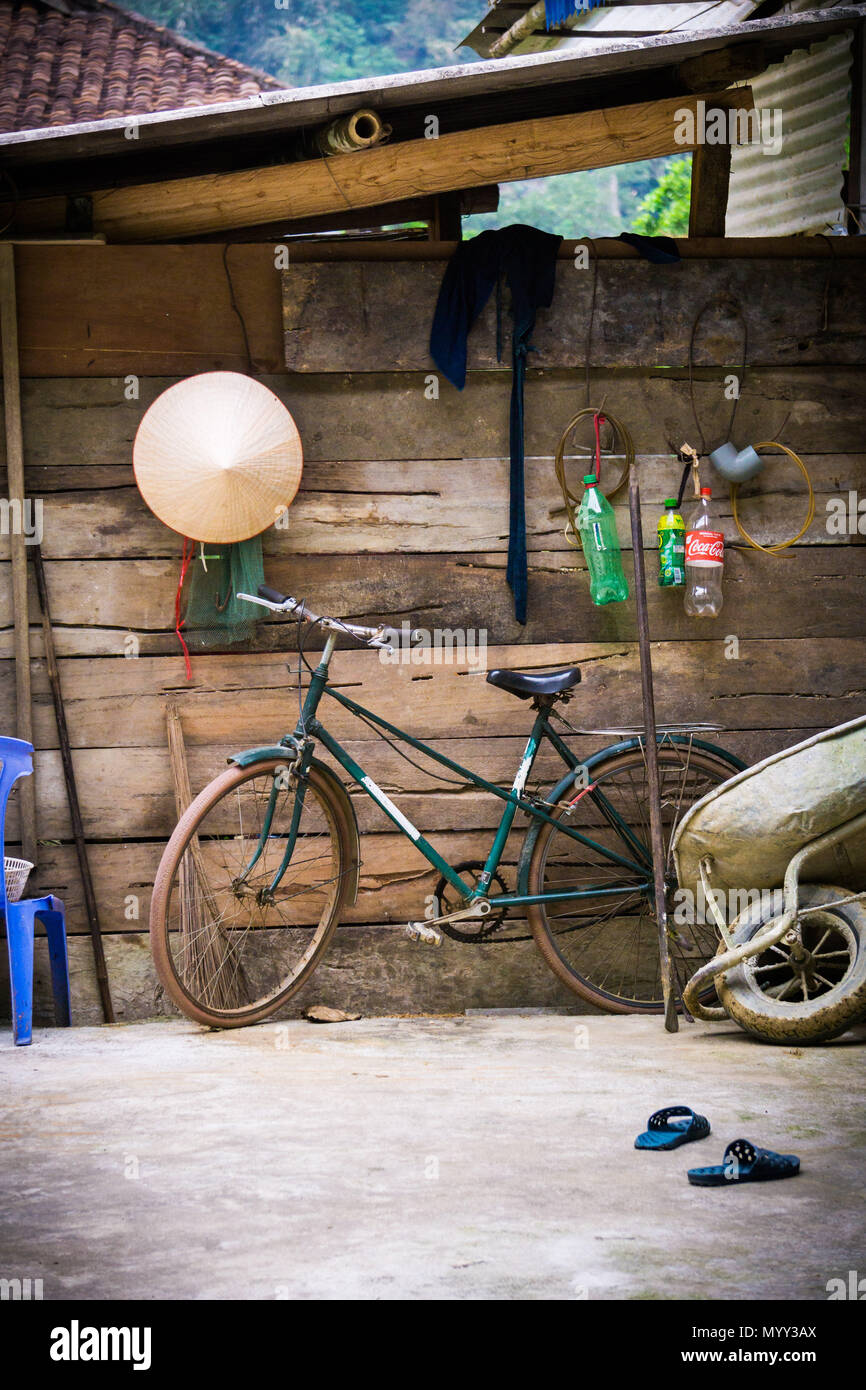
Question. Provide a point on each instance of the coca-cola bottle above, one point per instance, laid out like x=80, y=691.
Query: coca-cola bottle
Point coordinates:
x=705, y=559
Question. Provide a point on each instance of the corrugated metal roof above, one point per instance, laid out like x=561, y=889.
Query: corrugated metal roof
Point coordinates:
x=665, y=19
x=798, y=190
x=629, y=19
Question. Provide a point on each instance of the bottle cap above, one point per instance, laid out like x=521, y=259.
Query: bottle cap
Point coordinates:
x=591, y=480
x=706, y=492
x=670, y=502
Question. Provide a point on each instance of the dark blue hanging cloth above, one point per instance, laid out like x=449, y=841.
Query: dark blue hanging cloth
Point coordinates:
x=526, y=259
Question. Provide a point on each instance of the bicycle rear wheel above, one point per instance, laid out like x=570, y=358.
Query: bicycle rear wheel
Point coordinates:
x=605, y=948
x=228, y=951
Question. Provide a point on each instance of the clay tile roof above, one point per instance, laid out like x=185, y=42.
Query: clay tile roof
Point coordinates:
x=63, y=61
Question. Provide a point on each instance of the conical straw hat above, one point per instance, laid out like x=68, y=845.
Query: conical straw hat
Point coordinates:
x=217, y=457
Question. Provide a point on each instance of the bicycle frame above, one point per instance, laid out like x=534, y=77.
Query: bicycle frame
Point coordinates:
x=639, y=865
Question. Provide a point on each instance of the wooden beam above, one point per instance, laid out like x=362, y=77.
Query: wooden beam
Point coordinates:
x=470, y=200
x=17, y=540
x=719, y=68
x=76, y=316
x=387, y=173
x=711, y=176
x=346, y=317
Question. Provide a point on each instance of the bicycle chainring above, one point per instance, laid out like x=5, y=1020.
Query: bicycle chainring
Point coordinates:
x=446, y=899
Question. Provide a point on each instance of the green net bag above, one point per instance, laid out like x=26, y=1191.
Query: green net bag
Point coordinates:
x=210, y=613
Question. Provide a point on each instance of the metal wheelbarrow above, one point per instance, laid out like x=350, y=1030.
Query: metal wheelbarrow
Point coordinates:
x=776, y=858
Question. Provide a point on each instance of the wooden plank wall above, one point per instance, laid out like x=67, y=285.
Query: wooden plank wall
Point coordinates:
x=402, y=514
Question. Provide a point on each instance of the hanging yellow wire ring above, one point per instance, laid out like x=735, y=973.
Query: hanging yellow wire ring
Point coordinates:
x=782, y=545
x=571, y=501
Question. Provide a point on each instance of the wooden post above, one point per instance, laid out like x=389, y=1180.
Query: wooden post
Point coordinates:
x=652, y=762
x=17, y=542
x=856, y=190
x=447, y=223
x=711, y=176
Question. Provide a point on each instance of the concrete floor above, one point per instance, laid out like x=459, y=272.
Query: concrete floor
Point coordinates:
x=480, y=1157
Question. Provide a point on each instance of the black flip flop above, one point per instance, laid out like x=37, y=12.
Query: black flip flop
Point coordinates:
x=664, y=1131
x=743, y=1162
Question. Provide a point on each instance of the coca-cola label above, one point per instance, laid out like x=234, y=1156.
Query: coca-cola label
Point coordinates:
x=705, y=548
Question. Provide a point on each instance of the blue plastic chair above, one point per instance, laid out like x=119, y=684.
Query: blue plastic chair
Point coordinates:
x=17, y=761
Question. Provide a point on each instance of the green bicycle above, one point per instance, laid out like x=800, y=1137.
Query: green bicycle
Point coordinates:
x=263, y=864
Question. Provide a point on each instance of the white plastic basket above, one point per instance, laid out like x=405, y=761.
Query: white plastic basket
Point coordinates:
x=16, y=872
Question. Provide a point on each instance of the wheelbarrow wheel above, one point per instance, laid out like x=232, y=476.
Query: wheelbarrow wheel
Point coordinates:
x=808, y=996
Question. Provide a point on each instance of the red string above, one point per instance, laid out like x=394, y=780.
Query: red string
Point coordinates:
x=597, y=420
x=186, y=558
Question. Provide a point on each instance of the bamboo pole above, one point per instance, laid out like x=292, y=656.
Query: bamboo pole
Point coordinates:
x=17, y=541
x=533, y=19
x=652, y=762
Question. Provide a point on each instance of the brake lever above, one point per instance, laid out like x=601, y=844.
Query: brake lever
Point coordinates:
x=398, y=635
x=266, y=603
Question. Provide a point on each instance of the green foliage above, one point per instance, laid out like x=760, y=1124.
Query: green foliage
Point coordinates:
x=593, y=202
x=665, y=210
x=304, y=42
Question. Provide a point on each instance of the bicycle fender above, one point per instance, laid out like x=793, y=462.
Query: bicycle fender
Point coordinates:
x=626, y=746
x=249, y=756
x=284, y=752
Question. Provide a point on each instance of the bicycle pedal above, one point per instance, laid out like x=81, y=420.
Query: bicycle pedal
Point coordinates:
x=423, y=934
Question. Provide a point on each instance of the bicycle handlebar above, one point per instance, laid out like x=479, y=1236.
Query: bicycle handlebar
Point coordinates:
x=284, y=603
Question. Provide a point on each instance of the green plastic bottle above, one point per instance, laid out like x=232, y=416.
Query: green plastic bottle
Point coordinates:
x=672, y=547
x=597, y=526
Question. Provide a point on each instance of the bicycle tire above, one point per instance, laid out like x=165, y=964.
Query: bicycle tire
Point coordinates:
x=343, y=839
x=541, y=923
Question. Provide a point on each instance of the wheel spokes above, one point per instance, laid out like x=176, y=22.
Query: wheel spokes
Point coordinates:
x=613, y=947
x=234, y=942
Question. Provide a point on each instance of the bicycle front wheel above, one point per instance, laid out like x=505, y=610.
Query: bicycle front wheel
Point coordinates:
x=229, y=949
x=604, y=946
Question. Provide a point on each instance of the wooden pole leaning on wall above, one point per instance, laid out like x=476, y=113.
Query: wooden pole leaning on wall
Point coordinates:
x=17, y=539
x=72, y=790
x=652, y=761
